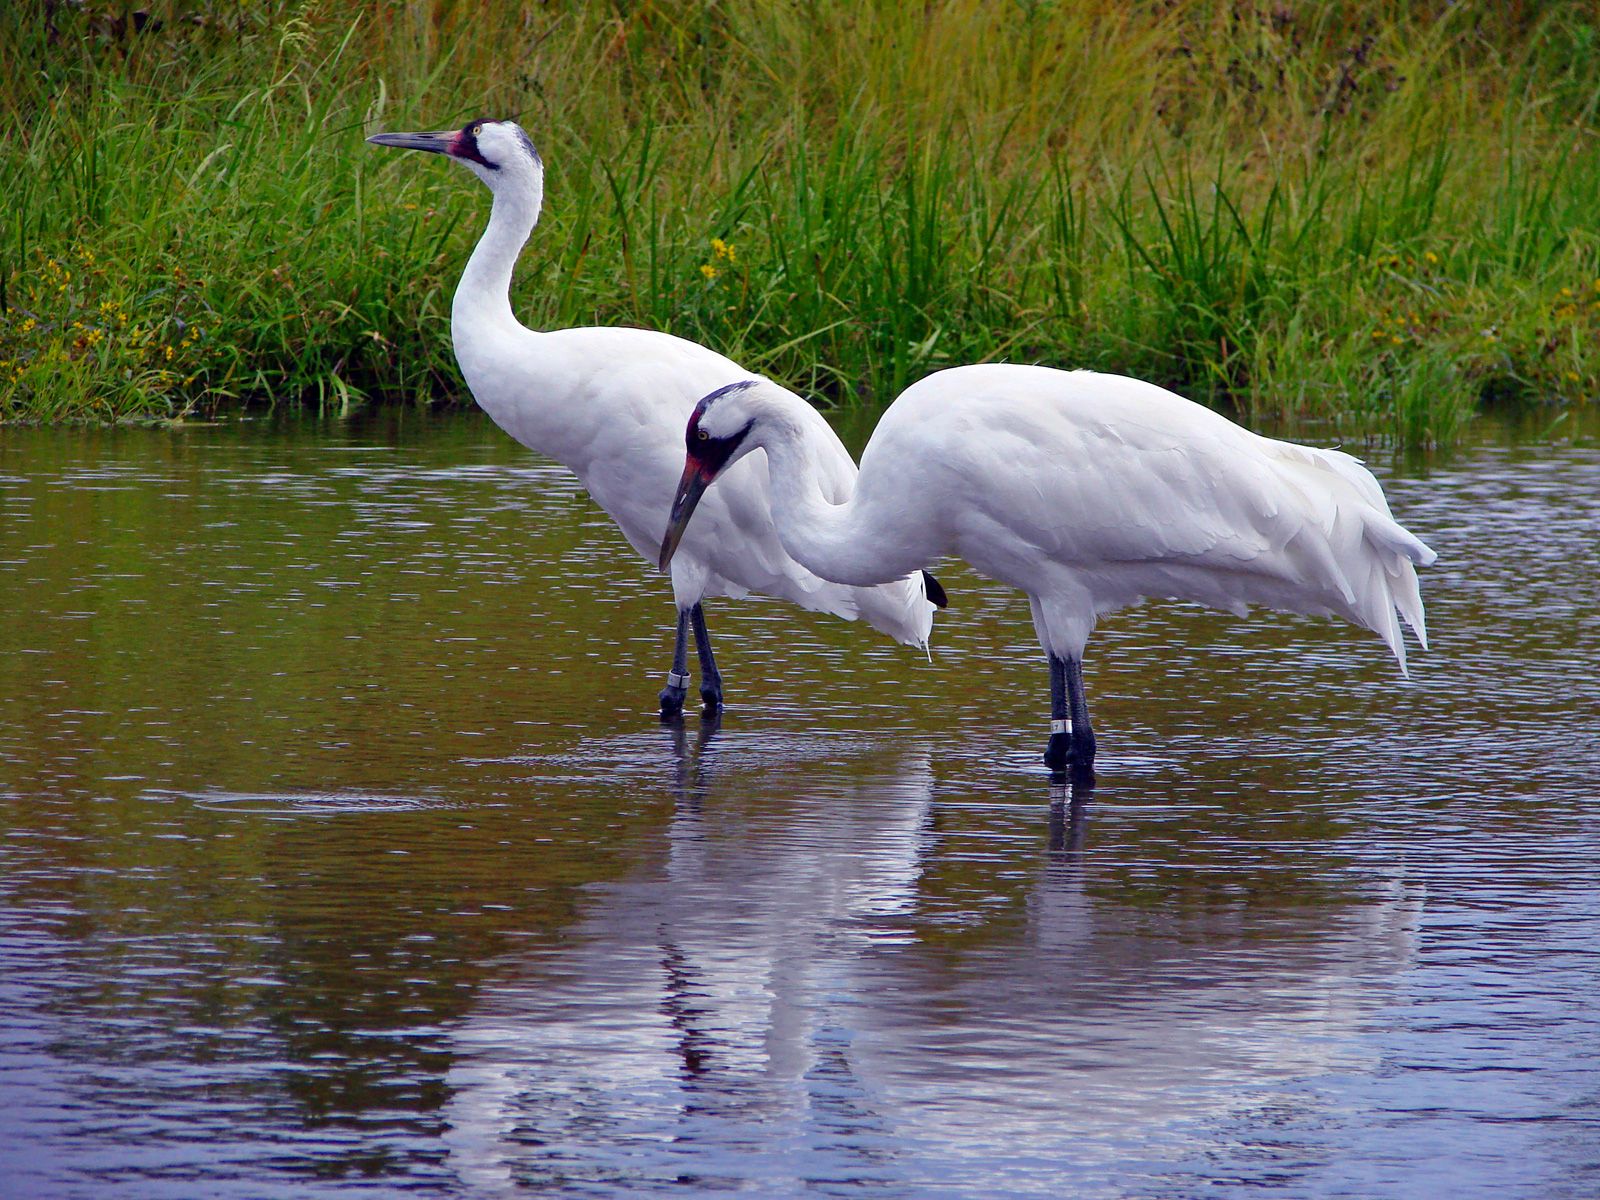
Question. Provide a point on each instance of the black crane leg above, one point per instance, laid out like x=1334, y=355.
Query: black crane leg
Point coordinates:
x=1071, y=747
x=710, y=677
x=678, y=677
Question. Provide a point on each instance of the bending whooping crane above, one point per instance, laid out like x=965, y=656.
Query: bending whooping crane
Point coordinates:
x=609, y=404
x=1089, y=492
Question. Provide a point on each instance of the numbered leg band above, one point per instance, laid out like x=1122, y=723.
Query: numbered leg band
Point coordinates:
x=1058, y=726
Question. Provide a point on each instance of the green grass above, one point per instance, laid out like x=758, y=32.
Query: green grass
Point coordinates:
x=1326, y=215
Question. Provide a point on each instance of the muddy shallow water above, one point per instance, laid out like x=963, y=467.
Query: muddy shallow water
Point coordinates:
x=343, y=854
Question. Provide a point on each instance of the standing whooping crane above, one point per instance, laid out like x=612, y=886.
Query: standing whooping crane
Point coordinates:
x=1089, y=492
x=609, y=403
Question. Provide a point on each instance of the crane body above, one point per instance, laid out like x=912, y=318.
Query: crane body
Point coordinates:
x=1089, y=492
x=609, y=403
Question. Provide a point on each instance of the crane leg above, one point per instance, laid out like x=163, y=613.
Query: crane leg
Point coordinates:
x=1082, y=756
x=1059, y=749
x=678, y=677
x=710, y=677
x=1071, y=747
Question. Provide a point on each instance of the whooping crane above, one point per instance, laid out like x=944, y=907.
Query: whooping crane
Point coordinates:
x=609, y=404
x=1089, y=492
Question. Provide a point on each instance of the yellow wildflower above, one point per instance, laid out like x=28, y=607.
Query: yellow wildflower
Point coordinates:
x=708, y=270
x=721, y=249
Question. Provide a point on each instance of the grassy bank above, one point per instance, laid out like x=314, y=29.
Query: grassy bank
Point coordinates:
x=1336, y=213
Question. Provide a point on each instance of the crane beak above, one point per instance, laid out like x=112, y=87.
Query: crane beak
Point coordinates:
x=434, y=143
x=690, y=488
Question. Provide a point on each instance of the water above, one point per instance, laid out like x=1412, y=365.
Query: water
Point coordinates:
x=343, y=855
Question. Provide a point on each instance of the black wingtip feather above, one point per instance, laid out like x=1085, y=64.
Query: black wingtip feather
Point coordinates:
x=934, y=590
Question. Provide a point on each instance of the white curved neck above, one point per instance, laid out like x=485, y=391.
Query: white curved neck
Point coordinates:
x=483, y=297
x=858, y=542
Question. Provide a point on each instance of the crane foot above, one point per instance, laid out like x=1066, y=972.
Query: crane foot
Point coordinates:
x=1059, y=752
x=672, y=696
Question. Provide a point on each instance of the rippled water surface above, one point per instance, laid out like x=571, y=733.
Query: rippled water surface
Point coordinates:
x=343, y=854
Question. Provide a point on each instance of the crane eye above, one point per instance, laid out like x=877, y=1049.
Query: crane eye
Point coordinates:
x=477, y=129
x=703, y=435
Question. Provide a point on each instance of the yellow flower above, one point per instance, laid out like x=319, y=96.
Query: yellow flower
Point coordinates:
x=1572, y=376
x=708, y=270
x=1431, y=256
x=721, y=249
x=169, y=353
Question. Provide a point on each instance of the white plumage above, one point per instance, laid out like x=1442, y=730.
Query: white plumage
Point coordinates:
x=609, y=403
x=1089, y=492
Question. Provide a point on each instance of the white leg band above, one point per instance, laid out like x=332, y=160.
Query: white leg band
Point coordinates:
x=674, y=679
x=1060, y=726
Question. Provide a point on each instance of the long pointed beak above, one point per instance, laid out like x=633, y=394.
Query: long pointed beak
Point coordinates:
x=690, y=488
x=435, y=143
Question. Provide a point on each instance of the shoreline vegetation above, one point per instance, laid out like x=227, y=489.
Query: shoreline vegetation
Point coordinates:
x=1370, y=219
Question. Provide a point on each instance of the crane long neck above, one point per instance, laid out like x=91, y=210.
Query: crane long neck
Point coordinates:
x=856, y=542
x=483, y=297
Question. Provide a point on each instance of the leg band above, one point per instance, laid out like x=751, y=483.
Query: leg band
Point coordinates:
x=678, y=679
x=1060, y=726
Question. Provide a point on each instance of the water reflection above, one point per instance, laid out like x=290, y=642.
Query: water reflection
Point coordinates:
x=689, y=1007
x=778, y=968
x=342, y=852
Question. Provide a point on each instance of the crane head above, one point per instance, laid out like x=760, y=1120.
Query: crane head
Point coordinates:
x=717, y=436
x=489, y=149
